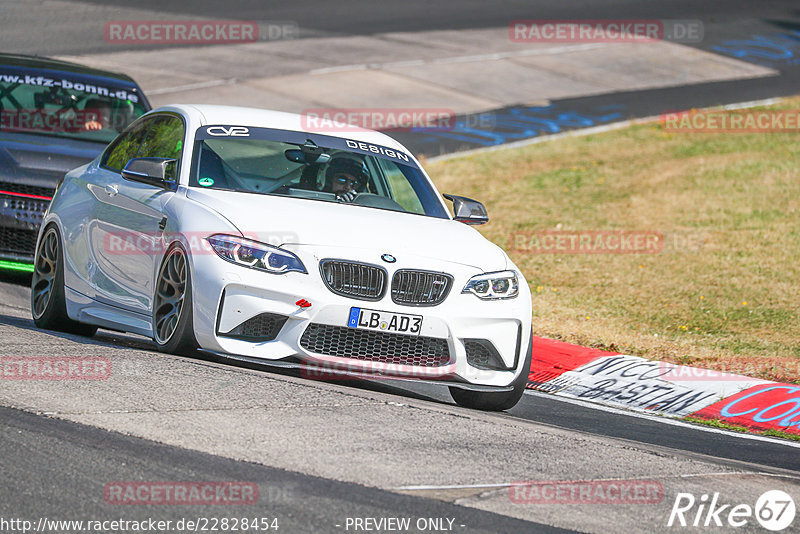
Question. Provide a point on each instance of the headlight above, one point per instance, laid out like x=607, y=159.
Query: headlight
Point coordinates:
x=493, y=286
x=255, y=255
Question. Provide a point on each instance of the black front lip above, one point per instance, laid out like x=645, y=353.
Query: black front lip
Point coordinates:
x=300, y=364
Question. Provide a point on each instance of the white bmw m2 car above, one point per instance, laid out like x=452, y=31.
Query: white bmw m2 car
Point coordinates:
x=243, y=234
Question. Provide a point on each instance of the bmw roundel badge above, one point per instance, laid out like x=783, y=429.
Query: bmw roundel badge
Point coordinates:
x=388, y=258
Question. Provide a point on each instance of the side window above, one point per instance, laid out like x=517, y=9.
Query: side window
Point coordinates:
x=401, y=190
x=164, y=139
x=125, y=147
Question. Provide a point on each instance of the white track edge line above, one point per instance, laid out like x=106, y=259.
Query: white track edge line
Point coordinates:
x=493, y=56
x=523, y=482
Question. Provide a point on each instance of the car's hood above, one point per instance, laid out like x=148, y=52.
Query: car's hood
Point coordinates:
x=42, y=160
x=291, y=221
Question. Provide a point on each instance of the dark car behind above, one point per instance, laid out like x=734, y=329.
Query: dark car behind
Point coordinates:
x=54, y=116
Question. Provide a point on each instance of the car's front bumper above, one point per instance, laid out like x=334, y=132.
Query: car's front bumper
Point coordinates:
x=226, y=295
x=20, y=217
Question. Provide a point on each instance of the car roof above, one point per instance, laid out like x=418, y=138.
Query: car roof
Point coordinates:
x=279, y=120
x=22, y=60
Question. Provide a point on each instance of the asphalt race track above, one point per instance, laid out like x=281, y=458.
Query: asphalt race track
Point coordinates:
x=79, y=457
x=322, y=452
x=762, y=34
x=325, y=454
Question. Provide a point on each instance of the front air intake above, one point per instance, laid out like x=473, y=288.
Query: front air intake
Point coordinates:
x=263, y=327
x=481, y=353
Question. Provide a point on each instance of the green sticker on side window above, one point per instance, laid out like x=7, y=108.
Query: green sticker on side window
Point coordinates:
x=178, y=145
x=205, y=182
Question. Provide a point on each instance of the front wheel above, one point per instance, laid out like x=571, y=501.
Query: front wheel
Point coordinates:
x=496, y=401
x=173, y=329
x=48, y=303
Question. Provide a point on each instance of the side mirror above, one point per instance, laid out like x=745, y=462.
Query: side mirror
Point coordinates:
x=152, y=171
x=468, y=211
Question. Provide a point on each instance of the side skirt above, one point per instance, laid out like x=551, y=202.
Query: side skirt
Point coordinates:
x=87, y=310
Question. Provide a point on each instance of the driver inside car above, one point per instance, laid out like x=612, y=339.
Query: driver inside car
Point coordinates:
x=98, y=113
x=346, y=177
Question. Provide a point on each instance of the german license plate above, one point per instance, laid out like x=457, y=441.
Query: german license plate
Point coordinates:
x=381, y=321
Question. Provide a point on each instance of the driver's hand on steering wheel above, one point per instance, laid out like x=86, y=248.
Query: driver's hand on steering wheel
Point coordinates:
x=347, y=197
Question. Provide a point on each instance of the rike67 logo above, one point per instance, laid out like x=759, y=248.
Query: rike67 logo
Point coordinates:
x=774, y=510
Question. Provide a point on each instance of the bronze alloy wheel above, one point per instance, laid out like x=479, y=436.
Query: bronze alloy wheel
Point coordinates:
x=170, y=293
x=44, y=273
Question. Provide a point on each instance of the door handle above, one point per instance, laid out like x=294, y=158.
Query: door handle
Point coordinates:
x=112, y=190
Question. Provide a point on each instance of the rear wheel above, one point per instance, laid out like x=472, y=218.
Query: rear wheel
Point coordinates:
x=496, y=401
x=48, y=303
x=173, y=329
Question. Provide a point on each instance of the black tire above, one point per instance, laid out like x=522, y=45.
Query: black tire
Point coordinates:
x=48, y=303
x=496, y=401
x=173, y=328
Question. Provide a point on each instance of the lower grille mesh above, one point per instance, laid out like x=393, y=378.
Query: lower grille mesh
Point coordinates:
x=477, y=354
x=18, y=242
x=375, y=346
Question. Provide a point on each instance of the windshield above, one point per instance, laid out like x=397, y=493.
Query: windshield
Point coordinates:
x=66, y=104
x=311, y=166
